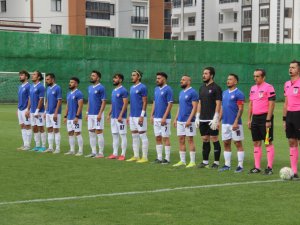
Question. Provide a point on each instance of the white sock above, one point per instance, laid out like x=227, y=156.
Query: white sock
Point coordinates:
x=227, y=157
x=80, y=143
x=44, y=138
x=182, y=156
x=168, y=152
x=101, y=143
x=93, y=141
x=29, y=136
x=23, y=131
x=57, y=141
x=205, y=161
x=37, y=139
x=123, y=143
x=217, y=162
x=136, y=145
x=50, y=140
x=72, y=143
x=115, y=143
x=241, y=156
x=193, y=157
x=145, y=145
x=159, y=150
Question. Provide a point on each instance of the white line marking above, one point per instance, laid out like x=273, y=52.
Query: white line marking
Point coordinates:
x=136, y=192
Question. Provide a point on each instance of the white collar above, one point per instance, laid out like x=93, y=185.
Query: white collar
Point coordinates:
x=118, y=88
x=24, y=84
x=232, y=90
x=73, y=91
x=163, y=87
x=187, y=89
x=137, y=85
x=96, y=85
x=52, y=86
x=36, y=84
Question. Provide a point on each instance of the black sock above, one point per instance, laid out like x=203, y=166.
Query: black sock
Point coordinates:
x=205, y=150
x=217, y=150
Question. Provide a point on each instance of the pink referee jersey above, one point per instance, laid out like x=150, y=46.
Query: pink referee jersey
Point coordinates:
x=260, y=95
x=292, y=92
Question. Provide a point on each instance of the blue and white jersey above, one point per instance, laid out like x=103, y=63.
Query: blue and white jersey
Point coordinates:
x=231, y=100
x=23, y=96
x=72, y=101
x=53, y=95
x=162, y=97
x=137, y=92
x=37, y=91
x=117, y=103
x=96, y=96
x=186, y=98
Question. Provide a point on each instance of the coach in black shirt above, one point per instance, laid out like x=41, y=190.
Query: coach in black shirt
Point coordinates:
x=207, y=117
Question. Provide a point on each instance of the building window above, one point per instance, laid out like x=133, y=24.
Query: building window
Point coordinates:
x=288, y=33
x=288, y=12
x=221, y=18
x=99, y=10
x=220, y=36
x=100, y=31
x=139, y=34
x=3, y=6
x=112, y=9
x=175, y=38
x=191, y=37
x=56, y=29
x=264, y=16
x=56, y=5
x=235, y=17
x=176, y=3
x=227, y=1
x=247, y=18
x=264, y=1
x=247, y=36
x=167, y=35
x=264, y=35
x=191, y=21
x=247, y=2
x=168, y=15
x=139, y=11
x=175, y=22
x=235, y=36
x=187, y=3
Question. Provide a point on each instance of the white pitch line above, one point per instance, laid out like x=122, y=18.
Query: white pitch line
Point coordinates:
x=136, y=192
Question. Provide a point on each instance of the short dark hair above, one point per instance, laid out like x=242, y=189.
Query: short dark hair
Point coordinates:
x=163, y=74
x=295, y=61
x=75, y=79
x=97, y=72
x=40, y=75
x=119, y=75
x=50, y=75
x=235, y=76
x=25, y=72
x=140, y=73
x=263, y=72
x=211, y=70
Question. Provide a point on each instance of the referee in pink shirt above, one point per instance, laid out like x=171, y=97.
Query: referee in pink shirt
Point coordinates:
x=260, y=118
x=291, y=113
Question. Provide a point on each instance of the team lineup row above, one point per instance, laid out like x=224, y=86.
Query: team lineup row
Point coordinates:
x=205, y=110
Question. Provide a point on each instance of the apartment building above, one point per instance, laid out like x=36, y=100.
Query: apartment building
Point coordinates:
x=115, y=18
x=259, y=21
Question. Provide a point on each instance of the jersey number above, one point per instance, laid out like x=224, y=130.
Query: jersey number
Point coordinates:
x=76, y=125
x=122, y=127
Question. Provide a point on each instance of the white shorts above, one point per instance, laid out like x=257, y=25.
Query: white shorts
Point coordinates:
x=74, y=127
x=51, y=123
x=186, y=131
x=118, y=128
x=40, y=121
x=134, y=124
x=93, y=124
x=22, y=118
x=228, y=133
x=159, y=130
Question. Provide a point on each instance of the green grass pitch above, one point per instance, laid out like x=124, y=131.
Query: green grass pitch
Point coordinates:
x=31, y=175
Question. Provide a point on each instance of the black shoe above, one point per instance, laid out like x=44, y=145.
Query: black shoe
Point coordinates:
x=203, y=165
x=214, y=166
x=295, y=177
x=254, y=170
x=164, y=161
x=157, y=161
x=268, y=171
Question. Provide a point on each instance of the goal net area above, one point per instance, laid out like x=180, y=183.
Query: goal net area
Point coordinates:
x=9, y=83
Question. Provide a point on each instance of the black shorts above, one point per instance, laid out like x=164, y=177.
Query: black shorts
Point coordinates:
x=205, y=130
x=293, y=125
x=258, y=128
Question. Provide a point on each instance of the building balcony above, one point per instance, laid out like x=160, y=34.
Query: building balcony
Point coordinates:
x=230, y=7
x=227, y=1
x=139, y=20
x=247, y=22
x=229, y=26
x=264, y=1
x=20, y=26
x=263, y=39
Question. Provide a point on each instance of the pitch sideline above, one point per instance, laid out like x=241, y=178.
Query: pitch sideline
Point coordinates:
x=136, y=192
